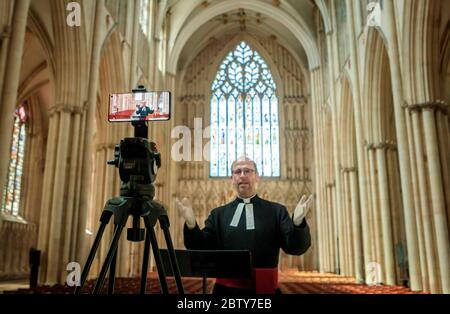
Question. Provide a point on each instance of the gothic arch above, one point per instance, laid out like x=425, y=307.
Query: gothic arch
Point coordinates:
x=385, y=205
x=297, y=26
x=421, y=51
x=233, y=29
x=40, y=31
x=111, y=80
x=377, y=74
x=325, y=14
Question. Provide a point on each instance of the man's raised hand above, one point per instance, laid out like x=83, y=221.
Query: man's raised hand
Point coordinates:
x=185, y=209
x=302, y=209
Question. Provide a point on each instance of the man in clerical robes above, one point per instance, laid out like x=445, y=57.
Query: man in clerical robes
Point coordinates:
x=249, y=223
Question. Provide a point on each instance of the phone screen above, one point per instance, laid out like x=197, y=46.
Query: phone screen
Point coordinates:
x=148, y=106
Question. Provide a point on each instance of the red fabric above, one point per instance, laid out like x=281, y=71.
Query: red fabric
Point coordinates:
x=264, y=281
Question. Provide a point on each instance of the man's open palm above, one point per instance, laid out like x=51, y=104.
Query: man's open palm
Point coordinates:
x=302, y=209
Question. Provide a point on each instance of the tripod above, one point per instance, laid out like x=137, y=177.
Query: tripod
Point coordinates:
x=138, y=161
x=137, y=207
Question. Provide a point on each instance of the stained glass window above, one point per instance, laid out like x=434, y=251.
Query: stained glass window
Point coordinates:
x=10, y=204
x=244, y=114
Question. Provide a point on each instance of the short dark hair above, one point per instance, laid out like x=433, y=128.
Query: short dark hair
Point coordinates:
x=245, y=159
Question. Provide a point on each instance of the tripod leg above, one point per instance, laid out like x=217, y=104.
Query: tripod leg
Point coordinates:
x=158, y=261
x=145, y=262
x=106, y=216
x=112, y=270
x=163, y=220
x=109, y=257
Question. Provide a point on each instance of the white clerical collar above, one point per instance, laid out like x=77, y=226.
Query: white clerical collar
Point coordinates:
x=247, y=200
x=249, y=217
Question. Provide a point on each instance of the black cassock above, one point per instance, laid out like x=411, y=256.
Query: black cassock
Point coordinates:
x=274, y=229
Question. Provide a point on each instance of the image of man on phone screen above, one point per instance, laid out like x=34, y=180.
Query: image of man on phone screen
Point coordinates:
x=143, y=110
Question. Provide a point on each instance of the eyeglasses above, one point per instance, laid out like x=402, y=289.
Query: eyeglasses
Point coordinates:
x=246, y=171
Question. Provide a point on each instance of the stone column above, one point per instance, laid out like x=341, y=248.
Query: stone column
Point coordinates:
x=361, y=153
x=356, y=227
x=332, y=231
x=345, y=239
x=61, y=160
x=329, y=228
x=425, y=216
x=54, y=267
x=437, y=193
x=376, y=221
x=71, y=217
x=49, y=173
x=11, y=84
x=97, y=42
x=317, y=165
x=333, y=57
x=444, y=149
x=386, y=221
x=418, y=198
x=348, y=214
x=404, y=158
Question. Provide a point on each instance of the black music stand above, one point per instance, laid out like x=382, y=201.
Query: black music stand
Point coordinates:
x=236, y=264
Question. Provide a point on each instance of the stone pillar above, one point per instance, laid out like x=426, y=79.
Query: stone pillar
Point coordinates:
x=329, y=227
x=444, y=149
x=71, y=220
x=386, y=221
x=11, y=84
x=59, y=204
x=345, y=234
x=361, y=153
x=87, y=144
x=317, y=165
x=332, y=231
x=348, y=219
x=376, y=220
x=61, y=161
x=45, y=224
x=356, y=227
x=425, y=216
x=416, y=158
x=437, y=193
x=333, y=58
x=404, y=159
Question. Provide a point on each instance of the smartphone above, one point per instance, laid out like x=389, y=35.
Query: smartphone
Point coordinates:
x=148, y=106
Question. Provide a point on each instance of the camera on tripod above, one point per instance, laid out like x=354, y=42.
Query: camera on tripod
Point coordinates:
x=138, y=161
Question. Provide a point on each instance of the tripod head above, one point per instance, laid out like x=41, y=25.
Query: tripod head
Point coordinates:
x=137, y=159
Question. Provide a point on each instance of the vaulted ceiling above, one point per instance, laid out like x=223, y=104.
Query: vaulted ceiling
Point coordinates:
x=195, y=22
